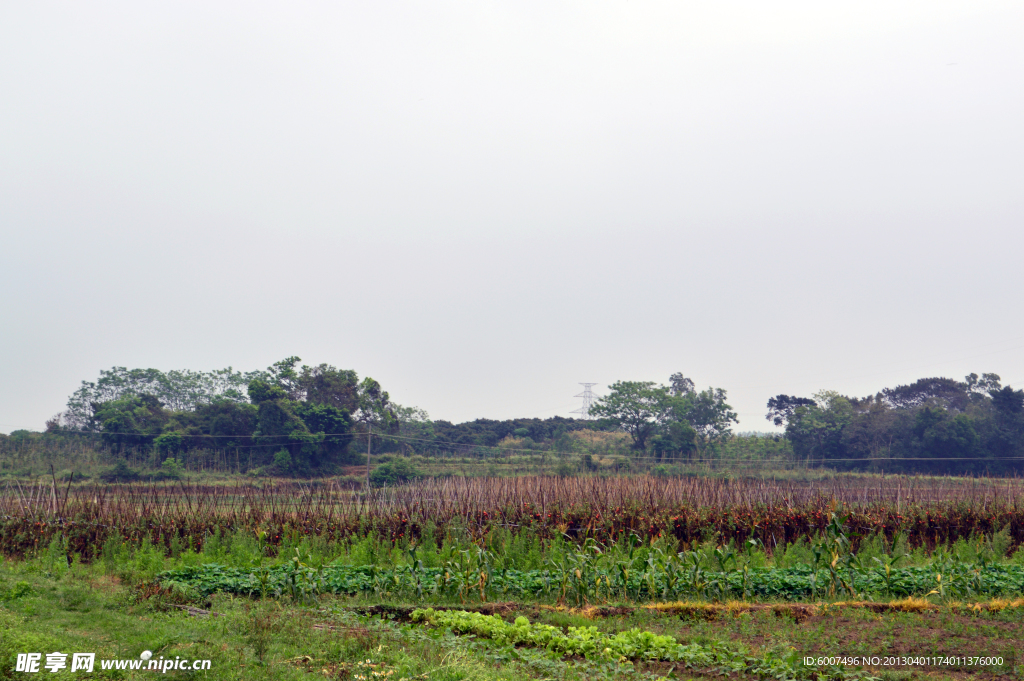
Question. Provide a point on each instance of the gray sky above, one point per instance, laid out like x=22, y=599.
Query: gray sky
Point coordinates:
x=483, y=204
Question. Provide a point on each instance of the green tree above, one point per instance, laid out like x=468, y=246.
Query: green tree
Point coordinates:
x=1009, y=403
x=184, y=390
x=782, y=407
x=130, y=421
x=941, y=435
x=230, y=422
x=934, y=425
x=981, y=387
x=1006, y=436
x=325, y=384
x=680, y=385
x=676, y=439
x=816, y=430
x=876, y=432
x=170, y=443
x=284, y=375
x=315, y=434
x=261, y=391
x=637, y=407
x=375, y=408
x=332, y=426
x=279, y=425
x=708, y=415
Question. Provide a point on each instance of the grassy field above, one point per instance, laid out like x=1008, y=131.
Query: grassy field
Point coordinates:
x=627, y=578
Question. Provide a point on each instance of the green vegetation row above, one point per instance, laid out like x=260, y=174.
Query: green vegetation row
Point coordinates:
x=664, y=579
x=587, y=642
x=524, y=566
x=631, y=644
x=665, y=582
x=631, y=570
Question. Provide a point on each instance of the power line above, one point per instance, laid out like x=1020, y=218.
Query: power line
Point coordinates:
x=454, y=446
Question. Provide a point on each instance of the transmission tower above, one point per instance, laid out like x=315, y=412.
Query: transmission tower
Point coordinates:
x=588, y=400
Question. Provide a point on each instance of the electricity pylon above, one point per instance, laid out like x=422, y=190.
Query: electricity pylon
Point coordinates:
x=588, y=401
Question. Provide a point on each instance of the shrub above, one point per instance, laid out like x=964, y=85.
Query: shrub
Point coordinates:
x=564, y=469
x=283, y=461
x=119, y=472
x=394, y=473
x=172, y=468
x=169, y=442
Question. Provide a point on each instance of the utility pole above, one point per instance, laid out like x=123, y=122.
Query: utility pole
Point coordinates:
x=369, y=438
x=588, y=401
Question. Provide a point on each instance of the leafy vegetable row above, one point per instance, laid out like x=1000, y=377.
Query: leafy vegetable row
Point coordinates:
x=654, y=582
x=632, y=644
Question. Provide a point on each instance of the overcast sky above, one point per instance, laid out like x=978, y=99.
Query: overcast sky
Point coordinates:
x=483, y=204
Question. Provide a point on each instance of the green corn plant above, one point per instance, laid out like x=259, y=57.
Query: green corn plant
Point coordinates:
x=944, y=567
x=854, y=565
x=301, y=580
x=725, y=556
x=625, y=568
x=726, y=559
x=978, y=573
x=661, y=574
x=957, y=575
x=896, y=537
x=564, y=572
x=380, y=580
x=829, y=551
x=485, y=566
x=746, y=580
x=607, y=585
x=696, y=579
x=884, y=570
x=262, y=575
x=465, y=569
x=835, y=531
x=415, y=569
x=625, y=572
x=653, y=569
x=505, y=584
x=673, y=571
x=818, y=551
x=749, y=546
x=584, y=570
x=940, y=588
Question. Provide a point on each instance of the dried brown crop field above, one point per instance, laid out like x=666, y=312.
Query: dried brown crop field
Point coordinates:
x=928, y=511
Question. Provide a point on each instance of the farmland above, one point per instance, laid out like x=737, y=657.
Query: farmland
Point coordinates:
x=926, y=512
x=528, y=577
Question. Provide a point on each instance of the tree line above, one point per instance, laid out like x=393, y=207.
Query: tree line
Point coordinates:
x=933, y=425
x=304, y=420
x=297, y=420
